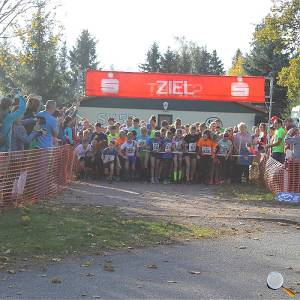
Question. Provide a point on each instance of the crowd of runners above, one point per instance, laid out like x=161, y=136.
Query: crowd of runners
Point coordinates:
x=145, y=150
x=180, y=153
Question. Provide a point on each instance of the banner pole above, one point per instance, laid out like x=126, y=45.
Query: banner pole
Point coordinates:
x=271, y=102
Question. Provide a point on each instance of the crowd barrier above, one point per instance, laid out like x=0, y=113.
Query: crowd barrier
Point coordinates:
x=32, y=175
x=280, y=177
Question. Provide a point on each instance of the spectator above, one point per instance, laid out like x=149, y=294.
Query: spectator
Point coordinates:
x=293, y=139
x=67, y=128
x=50, y=125
x=8, y=119
x=277, y=145
x=20, y=138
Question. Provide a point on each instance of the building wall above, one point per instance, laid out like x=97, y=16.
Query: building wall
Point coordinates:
x=101, y=114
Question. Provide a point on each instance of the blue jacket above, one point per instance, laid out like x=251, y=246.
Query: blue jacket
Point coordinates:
x=8, y=123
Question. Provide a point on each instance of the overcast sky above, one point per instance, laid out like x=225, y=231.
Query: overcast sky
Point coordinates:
x=126, y=28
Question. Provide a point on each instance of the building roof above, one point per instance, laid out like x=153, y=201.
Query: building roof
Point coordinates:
x=175, y=105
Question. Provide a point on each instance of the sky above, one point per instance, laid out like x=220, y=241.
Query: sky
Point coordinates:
x=125, y=29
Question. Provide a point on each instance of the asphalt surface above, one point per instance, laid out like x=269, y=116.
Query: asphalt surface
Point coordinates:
x=230, y=268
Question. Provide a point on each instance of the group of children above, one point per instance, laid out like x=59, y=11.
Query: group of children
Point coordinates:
x=175, y=153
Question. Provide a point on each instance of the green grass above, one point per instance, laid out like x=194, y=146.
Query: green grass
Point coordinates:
x=52, y=230
x=247, y=192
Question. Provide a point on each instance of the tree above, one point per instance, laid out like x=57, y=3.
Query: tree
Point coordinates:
x=10, y=10
x=153, y=60
x=169, y=62
x=82, y=57
x=264, y=59
x=282, y=26
x=289, y=77
x=200, y=59
x=39, y=64
x=216, y=65
x=237, y=68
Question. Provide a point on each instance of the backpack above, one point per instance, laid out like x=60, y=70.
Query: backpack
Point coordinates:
x=2, y=135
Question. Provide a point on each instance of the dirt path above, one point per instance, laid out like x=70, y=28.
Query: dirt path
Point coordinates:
x=197, y=204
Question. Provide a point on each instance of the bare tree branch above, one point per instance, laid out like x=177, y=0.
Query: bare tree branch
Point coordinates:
x=10, y=10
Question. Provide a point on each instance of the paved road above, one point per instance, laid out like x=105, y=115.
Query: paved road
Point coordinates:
x=227, y=269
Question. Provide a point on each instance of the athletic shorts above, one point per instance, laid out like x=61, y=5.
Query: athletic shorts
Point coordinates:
x=191, y=155
x=132, y=160
x=108, y=164
x=156, y=155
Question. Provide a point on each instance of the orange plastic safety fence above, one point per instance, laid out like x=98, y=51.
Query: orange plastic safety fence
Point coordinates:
x=33, y=175
x=280, y=177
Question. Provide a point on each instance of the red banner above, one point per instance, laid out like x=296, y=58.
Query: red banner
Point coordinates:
x=175, y=86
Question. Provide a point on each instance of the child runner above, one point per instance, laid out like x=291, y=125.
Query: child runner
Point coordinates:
x=206, y=151
x=190, y=155
x=110, y=160
x=223, y=151
x=167, y=157
x=143, y=152
x=155, y=158
x=129, y=149
x=178, y=141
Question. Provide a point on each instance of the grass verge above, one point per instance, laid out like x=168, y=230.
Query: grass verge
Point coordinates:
x=247, y=192
x=52, y=230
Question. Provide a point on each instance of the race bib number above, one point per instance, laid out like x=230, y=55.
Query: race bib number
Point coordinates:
x=155, y=147
x=192, y=147
x=130, y=150
x=168, y=147
x=206, y=150
x=108, y=158
x=178, y=146
x=142, y=144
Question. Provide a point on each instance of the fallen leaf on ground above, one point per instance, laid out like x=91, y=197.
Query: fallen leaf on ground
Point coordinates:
x=172, y=281
x=282, y=224
x=108, y=268
x=86, y=264
x=96, y=297
x=194, y=272
x=256, y=239
x=152, y=266
x=56, y=280
x=243, y=247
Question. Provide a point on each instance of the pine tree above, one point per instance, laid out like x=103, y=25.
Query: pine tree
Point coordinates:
x=82, y=57
x=216, y=66
x=169, y=62
x=153, y=60
x=265, y=60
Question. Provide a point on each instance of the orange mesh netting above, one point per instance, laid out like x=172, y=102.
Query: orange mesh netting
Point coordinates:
x=280, y=177
x=28, y=176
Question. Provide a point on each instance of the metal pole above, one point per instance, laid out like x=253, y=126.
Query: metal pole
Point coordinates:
x=271, y=101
